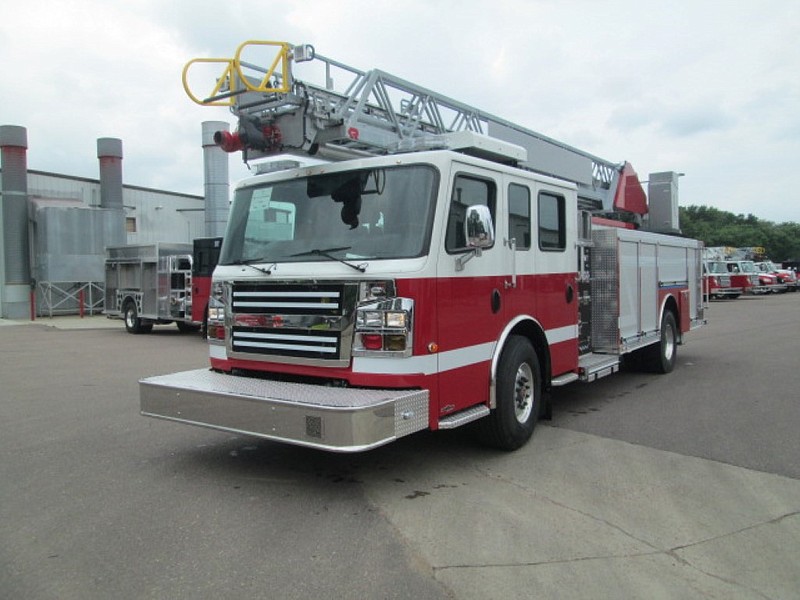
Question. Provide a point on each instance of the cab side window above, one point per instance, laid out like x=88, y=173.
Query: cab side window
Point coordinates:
x=519, y=215
x=552, y=222
x=467, y=191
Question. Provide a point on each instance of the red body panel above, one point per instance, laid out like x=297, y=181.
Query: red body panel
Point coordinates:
x=201, y=290
x=464, y=318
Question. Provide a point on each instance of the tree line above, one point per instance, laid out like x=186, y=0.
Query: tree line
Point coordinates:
x=720, y=228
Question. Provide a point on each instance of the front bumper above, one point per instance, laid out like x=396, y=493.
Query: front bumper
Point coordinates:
x=726, y=292
x=328, y=418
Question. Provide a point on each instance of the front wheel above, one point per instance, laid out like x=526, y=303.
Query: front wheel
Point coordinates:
x=132, y=321
x=185, y=327
x=519, y=393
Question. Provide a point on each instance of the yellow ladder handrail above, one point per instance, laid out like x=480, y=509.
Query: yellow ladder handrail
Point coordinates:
x=221, y=81
x=234, y=79
x=282, y=57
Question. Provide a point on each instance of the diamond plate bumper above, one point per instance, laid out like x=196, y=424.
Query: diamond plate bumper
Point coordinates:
x=328, y=418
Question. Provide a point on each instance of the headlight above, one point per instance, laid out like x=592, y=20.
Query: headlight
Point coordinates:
x=384, y=327
x=396, y=319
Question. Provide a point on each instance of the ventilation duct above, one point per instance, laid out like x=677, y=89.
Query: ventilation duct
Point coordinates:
x=109, y=153
x=16, y=266
x=215, y=163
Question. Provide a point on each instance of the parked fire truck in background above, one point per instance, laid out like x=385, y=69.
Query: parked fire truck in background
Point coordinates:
x=741, y=276
x=148, y=284
x=449, y=267
x=160, y=283
x=717, y=281
x=750, y=269
x=788, y=277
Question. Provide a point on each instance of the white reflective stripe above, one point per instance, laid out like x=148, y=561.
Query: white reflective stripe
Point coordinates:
x=464, y=357
x=425, y=365
x=562, y=334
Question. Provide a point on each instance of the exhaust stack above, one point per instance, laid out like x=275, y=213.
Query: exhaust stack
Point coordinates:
x=15, y=260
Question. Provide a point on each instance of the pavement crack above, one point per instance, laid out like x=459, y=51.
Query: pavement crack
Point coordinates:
x=774, y=521
x=541, y=563
x=675, y=552
x=545, y=498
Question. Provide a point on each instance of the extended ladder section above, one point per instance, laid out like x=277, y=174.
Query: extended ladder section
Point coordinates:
x=374, y=112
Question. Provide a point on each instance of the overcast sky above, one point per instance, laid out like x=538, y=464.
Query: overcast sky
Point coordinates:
x=709, y=89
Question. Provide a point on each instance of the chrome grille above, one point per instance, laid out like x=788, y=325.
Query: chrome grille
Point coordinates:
x=304, y=323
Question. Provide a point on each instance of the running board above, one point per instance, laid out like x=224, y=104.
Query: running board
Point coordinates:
x=463, y=417
x=595, y=366
x=564, y=379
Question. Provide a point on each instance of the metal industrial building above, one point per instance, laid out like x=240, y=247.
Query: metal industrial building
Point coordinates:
x=54, y=228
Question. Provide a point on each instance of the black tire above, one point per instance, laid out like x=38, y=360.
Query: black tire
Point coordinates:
x=204, y=327
x=519, y=397
x=661, y=357
x=131, y=317
x=185, y=327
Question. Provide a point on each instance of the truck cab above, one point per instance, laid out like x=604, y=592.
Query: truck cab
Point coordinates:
x=717, y=281
x=743, y=274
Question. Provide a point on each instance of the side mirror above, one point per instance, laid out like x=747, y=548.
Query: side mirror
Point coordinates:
x=478, y=231
x=478, y=227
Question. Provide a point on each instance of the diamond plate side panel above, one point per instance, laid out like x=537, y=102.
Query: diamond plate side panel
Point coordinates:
x=605, y=291
x=411, y=413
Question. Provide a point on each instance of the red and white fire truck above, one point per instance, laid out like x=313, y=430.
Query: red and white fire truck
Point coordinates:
x=447, y=267
x=717, y=282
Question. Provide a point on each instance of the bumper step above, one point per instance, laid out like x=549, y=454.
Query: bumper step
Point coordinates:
x=328, y=418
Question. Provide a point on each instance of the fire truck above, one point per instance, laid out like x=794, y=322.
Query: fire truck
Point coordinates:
x=443, y=267
x=717, y=281
x=785, y=279
x=160, y=283
x=149, y=284
x=743, y=273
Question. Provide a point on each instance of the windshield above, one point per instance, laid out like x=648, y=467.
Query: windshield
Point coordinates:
x=748, y=267
x=717, y=267
x=364, y=214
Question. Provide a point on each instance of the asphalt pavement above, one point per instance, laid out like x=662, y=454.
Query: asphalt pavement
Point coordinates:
x=642, y=486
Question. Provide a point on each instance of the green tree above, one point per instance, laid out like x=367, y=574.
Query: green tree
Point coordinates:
x=720, y=228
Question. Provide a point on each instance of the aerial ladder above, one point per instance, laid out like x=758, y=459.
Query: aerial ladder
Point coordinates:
x=375, y=112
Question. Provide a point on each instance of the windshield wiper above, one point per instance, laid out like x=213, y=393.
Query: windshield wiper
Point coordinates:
x=249, y=263
x=327, y=254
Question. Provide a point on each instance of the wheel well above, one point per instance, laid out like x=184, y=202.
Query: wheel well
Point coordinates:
x=671, y=305
x=530, y=329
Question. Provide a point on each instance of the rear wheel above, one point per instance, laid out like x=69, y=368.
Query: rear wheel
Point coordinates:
x=519, y=393
x=661, y=357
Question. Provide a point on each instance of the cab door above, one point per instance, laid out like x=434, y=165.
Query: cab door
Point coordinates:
x=469, y=287
x=541, y=228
